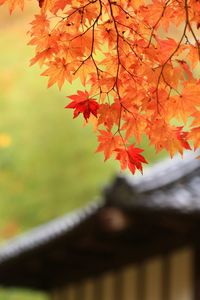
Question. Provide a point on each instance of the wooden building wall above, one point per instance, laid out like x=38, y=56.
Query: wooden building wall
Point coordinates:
x=161, y=278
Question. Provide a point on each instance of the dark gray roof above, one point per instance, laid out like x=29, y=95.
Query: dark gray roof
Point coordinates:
x=168, y=194
x=44, y=234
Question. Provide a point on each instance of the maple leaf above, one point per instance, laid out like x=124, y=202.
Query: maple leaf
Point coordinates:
x=133, y=3
x=166, y=136
x=83, y=104
x=166, y=48
x=196, y=120
x=82, y=72
x=46, y=5
x=134, y=127
x=108, y=115
x=186, y=69
x=194, y=135
x=108, y=33
x=58, y=71
x=182, y=136
x=184, y=105
x=155, y=10
x=12, y=4
x=131, y=158
x=39, y=25
x=42, y=56
x=59, y=5
x=108, y=143
x=193, y=56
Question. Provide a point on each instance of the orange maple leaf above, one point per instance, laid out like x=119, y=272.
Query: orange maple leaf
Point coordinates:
x=108, y=115
x=13, y=4
x=194, y=136
x=58, y=71
x=108, y=143
x=184, y=105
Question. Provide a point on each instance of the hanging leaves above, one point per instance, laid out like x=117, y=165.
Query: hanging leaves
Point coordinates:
x=138, y=78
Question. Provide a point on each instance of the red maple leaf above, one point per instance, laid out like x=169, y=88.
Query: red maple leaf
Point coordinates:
x=83, y=104
x=182, y=137
x=131, y=158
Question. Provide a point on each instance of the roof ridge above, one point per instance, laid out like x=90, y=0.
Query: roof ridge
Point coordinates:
x=157, y=175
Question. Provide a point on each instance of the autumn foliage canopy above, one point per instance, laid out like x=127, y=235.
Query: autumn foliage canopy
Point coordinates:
x=138, y=62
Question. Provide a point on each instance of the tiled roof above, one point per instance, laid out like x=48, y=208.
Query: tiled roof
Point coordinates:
x=44, y=234
x=77, y=245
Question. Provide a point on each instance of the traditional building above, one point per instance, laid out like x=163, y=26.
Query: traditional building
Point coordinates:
x=140, y=241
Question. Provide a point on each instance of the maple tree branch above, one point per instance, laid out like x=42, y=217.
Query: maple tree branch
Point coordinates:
x=170, y=57
x=125, y=11
x=158, y=21
x=92, y=27
x=77, y=10
x=191, y=29
x=131, y=29
x=117, y=46
x=118, y=68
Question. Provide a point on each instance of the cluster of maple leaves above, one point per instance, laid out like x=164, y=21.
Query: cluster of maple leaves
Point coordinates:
x=138, y=78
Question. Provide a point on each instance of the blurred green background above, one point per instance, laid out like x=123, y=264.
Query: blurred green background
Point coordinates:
x=47, y=161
